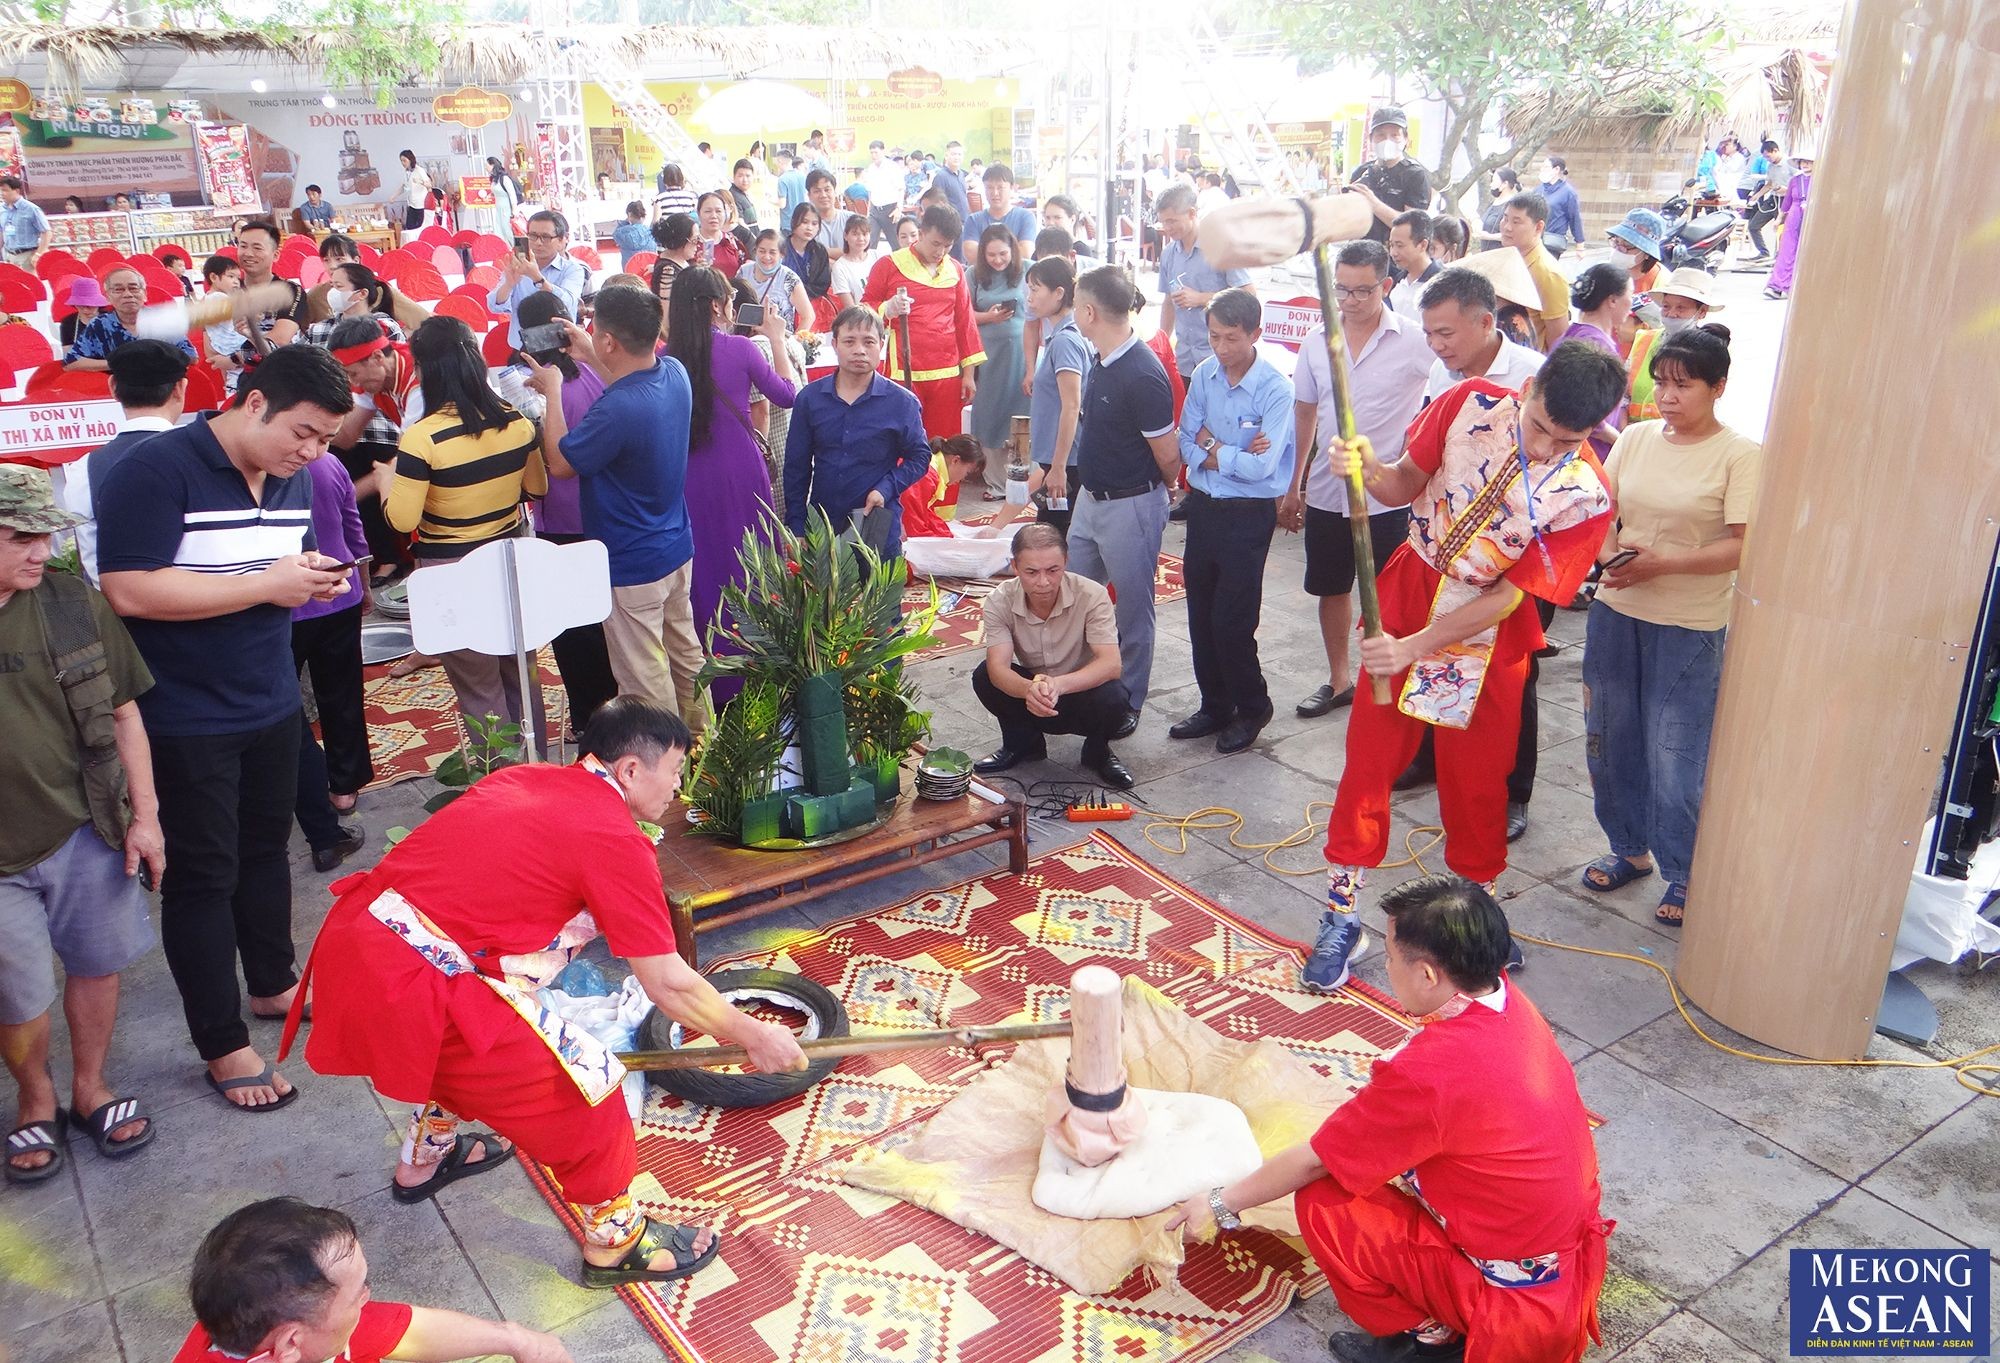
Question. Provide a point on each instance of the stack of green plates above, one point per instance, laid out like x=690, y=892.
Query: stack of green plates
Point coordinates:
x=944, y=774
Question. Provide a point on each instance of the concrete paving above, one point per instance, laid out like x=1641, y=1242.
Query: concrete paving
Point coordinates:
x=1713, y=1166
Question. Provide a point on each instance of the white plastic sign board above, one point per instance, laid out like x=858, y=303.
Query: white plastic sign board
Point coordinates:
x=510, y=596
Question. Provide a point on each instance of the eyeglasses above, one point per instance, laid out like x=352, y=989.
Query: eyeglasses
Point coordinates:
x=543, y=236
x=1365, y=291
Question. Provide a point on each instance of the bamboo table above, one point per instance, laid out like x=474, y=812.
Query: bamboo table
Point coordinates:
x=734, y=884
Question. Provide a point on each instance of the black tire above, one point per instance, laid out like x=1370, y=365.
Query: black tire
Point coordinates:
x=714, y=1088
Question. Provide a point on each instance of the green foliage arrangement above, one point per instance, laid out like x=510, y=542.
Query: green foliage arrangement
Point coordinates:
x=738, y=758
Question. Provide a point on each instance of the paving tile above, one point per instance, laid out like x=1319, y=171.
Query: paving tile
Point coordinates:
x=153, y=1317
x=609, y=1334
x=1686, y=1338
x=85, y=1332
x=1693, y=1193
x=1594, y=998
x=332, y=1146
x=1947, y=1177
x=1562, y=831
x=1284, y=905
x=1753, y=1303
x=47, y=1268
x=1626, y=1310
x=1847, y=1121
x=1564, y=763
x=526, y=1259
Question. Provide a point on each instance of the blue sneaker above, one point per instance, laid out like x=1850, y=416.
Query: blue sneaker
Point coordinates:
x=1340, y=943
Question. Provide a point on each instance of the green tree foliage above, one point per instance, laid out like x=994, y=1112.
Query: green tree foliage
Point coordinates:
x=1566, y=60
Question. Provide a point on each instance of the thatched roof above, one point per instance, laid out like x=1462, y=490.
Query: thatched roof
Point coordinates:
x=509, y=54
x=1756, y=88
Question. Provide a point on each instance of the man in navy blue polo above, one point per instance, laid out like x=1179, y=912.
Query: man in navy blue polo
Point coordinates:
x=205, y=546
x=857, y=440
x=1126, y=454
x=631, y=452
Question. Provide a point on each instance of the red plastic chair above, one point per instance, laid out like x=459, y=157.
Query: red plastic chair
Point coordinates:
x=464, y=237
x=642, y=264
x=23, y=347
x=163, y=291
x=466, y=310
x=434, y=235
x=369, y=255
x=487, y=248
x=393, y=263
x=228, y=248
x=20, y=291
x=205, y=392
x=312, y=272
x=447, y=262
x=588, y=255
x=167, y=248
x=55, y=261
x=421, y=282
x=289, y=267
x=496, y=348
x=52, y=383
x=102, y=259
x=485, y=276
x=469, y=290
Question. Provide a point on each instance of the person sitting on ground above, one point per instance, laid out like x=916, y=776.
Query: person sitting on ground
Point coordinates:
x=126, y=289
x=280, y=1280
x=632, y=236
x=1052, y=662
x=1453, y=1202
x=76, y=825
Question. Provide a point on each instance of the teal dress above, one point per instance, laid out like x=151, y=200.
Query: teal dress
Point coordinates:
x=998, y=398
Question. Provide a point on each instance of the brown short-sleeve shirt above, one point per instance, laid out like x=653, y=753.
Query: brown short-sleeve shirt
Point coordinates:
x=1060, y=644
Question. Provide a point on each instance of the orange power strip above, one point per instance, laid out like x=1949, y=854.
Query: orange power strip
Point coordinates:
x=1097, y=809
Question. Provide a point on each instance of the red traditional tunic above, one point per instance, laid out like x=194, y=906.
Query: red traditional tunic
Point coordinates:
x=1471, y=693
x=1462, y=1187
x=381, y=1328
x=501, y=872
x=923, y=503
x=944, y=340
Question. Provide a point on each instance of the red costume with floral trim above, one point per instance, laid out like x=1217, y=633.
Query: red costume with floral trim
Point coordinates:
x=944, y=340
x=380, y=1329
x=1461, y=1187
x=1469, y=693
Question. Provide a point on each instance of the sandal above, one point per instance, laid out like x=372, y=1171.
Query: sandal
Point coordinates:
x=118, y=1112
x=1612, y=872
x=657, y=1235
x=455, y=1166
x=1673, y=904
x=32, y=1138
x=267, y=1080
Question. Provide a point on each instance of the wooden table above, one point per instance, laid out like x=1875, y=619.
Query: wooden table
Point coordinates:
x=733, y=884
x=381, y=238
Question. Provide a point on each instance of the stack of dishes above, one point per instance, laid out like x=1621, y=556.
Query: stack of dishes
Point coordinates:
x=393, y=601
x=944, y=774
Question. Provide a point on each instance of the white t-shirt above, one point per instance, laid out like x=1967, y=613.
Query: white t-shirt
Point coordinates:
x=1512, y=367
x=417, y=188
x=885, y=184
x=850, y=277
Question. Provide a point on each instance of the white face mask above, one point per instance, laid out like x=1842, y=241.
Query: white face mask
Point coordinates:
x=1550, y=175
x=1674, y=326
x=1389, y=150
x=338, y=299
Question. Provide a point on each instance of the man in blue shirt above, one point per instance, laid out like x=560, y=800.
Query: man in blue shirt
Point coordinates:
x=548, y=265
x=631, y=451
x=950, y=177
x=1236, y=439
x=1126, y=454
x=791, y=193
x=1565, y=227
x=633, y=236
x=205, y=545
x=999, y=183
x=25, y=226
x=857, y=440
x=1187, y=280
x=104, y=333
x=316, y=212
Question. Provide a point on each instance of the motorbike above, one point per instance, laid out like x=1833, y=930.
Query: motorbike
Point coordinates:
x=1698, y=231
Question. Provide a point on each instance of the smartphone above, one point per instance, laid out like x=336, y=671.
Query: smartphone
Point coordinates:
x=145, y=876
x=520, y=246
x=1620, y=560
x=750, y=315
x=332, y=567
x=547, y=336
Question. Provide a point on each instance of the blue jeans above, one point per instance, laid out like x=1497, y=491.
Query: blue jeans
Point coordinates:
x=1649, y=703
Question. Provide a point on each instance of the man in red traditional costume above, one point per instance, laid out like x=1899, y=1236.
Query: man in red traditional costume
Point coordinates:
x=424, y=974
x=1504, y=500
x=923, y=283
x=1453, y=1202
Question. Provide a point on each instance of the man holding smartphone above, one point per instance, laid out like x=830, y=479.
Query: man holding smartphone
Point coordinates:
x=541, y=261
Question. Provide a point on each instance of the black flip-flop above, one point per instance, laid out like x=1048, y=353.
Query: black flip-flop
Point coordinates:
x=31, y=1138
x=1676, y=897
x=1617, y=873
x=678, y=1240
x=456, y=1166
x=266, y=1080
x=118, y=1112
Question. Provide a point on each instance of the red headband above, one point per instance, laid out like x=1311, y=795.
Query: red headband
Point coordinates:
x=352, y=353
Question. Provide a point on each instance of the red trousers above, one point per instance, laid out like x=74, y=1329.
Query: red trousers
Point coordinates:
x=517, y=1088
x=1391, y=1268
x=943, y=402
x=1473, y=763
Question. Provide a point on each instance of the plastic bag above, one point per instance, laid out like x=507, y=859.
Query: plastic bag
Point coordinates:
x=612, y=1018
x=1941, y=916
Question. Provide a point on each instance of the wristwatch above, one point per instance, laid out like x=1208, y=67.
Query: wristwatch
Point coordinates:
x=1224, y=1218
x=1210, y=445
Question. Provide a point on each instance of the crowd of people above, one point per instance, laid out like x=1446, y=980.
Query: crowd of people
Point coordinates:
x=1520, y=434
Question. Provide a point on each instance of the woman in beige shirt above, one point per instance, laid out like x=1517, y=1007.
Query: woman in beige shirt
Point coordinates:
x=1652, y=660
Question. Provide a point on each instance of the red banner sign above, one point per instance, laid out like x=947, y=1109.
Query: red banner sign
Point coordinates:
x=471, y=107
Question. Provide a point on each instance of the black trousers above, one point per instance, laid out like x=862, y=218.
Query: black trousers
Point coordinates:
x=1228, y=539
x=329, y=648
x=583, y=662
x=226, y=807
x=1527, y=748
x=317, y=817
x=1758, y=220
x=1093, y=714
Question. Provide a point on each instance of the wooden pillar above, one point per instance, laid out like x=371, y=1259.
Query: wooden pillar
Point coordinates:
x=1873, y=537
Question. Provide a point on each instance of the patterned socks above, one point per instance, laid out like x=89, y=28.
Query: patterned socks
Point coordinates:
x=432, y=1135
x=612, y=1224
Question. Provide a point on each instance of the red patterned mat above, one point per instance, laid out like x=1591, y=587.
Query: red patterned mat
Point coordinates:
x=413, y=721
x=813, y=1271
x=958, y=625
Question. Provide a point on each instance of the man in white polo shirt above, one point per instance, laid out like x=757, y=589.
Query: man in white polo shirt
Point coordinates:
x=1389, y=361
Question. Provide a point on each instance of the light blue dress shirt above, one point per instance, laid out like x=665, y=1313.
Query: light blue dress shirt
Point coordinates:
x=566, y=276
x=1235, y=413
